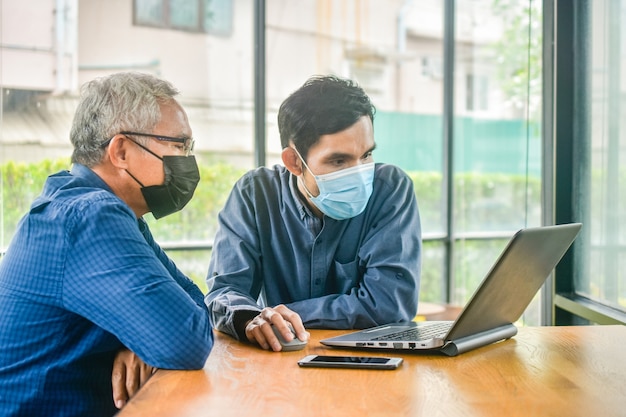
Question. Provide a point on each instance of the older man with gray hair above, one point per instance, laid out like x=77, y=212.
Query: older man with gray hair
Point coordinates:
x=83, y=278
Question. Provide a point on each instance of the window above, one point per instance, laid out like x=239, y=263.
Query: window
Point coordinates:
x=477, y=179
x=477, y=93
x=150, y=12
x=432, y=67
x=210, y=16
x=591, y=150
x=602, y=275
x=496, y=146
x=395, y=50
x=43, y=68
x=184, y=14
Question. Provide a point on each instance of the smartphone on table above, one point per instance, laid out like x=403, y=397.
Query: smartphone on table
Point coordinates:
x=360, y=362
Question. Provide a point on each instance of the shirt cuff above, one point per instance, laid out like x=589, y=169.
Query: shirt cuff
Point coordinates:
x=240, y=319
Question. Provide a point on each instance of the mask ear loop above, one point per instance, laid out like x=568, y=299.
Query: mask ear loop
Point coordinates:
x=145, y=149
x=305, y=187
x=309, y=169
x=133, y=177
x=302, y=159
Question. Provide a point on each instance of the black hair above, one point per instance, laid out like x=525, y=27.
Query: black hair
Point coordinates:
x=323, y=105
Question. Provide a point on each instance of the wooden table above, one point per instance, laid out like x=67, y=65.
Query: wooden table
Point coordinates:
x=543, y=371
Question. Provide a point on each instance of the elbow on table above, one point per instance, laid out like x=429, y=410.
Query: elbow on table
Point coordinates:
x=197, y=362
x=189, y=353
x=199, y=358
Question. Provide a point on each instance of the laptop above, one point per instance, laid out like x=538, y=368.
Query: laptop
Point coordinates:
x=488, y=317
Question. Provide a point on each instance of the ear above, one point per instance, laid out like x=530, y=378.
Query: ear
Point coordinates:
x=292, y=161
x=117, y=152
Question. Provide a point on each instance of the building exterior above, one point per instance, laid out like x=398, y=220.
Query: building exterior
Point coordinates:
x=393, y=48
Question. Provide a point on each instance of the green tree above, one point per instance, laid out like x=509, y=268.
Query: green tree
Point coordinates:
x=518, y=53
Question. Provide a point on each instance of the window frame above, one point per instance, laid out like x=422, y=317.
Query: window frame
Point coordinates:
x=566, y=144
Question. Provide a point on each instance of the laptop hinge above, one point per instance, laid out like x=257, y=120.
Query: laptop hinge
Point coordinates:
x=463, y=344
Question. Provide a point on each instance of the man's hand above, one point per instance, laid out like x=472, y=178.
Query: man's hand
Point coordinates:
x=129, y=374
x=258, y=330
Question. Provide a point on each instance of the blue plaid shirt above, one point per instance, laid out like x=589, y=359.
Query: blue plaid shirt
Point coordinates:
x=82, y=279
x=338, y=274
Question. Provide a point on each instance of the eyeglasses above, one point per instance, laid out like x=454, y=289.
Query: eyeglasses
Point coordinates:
x=187, y=143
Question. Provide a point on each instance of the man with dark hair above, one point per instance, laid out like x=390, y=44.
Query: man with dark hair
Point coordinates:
x=83, y=280
x=329, y=240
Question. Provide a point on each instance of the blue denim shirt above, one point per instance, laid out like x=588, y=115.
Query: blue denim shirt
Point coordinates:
x=270, y=249
x=81, y=279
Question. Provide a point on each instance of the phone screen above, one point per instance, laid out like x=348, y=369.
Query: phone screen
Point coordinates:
x=349, y=359
x=363, y=362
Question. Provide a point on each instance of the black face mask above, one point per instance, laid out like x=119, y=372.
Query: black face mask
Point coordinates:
x=181, y=178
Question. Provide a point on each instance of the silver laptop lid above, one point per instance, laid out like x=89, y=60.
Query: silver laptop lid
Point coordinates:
x=514, y=279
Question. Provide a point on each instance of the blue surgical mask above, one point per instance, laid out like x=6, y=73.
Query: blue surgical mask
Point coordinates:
x=343, y=194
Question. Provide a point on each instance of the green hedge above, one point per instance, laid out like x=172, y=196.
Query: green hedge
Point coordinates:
x=23, y=182
x=483, y=202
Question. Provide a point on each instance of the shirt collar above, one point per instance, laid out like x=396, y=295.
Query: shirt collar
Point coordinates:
x=81, y=171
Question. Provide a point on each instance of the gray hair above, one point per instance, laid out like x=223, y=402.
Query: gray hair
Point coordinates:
x=109, y=105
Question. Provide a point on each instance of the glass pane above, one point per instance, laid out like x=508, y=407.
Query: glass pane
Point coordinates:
x=432, y=288
x=39, y=90
x=184, y=14
x=473, y=260
x=149, y=12
x=601, y=276
x=409, y=126
x=193, y=263
x=497, y=134
x=393, y=49
x=218, y=17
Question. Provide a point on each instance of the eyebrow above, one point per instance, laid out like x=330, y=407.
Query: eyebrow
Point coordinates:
x=341, y=155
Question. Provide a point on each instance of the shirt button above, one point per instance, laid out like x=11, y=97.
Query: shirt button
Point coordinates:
x=317, y=281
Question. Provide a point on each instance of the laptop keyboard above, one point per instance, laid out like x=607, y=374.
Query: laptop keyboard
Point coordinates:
x=419, y=333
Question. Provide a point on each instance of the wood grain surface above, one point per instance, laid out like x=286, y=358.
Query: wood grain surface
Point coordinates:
x=543, y=371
